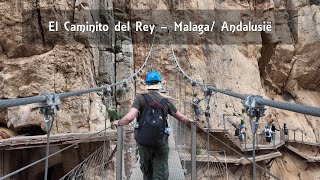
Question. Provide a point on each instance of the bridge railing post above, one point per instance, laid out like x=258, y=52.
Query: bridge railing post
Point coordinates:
x=119, y=153
x=193, y=151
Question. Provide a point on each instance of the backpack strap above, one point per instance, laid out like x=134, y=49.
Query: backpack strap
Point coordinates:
x=148, y=98
x=150, y=101
x=163, y=102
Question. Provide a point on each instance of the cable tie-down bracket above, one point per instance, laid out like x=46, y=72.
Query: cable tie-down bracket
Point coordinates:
x=107, y=90
x=49, y=108
x=253, y=109
x=125, y=83
x=51, y=105
x=208, y=90
x=193, y=83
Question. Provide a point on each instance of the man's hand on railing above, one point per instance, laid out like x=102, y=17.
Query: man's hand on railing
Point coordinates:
x=115, y=124
x=188, y=123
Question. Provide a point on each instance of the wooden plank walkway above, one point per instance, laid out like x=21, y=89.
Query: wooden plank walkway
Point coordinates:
x=230, y=159
x=303, y=155
x=175, y=168
x=265, y=146
x=304, y=142
x=22, y=142
x=247, y=145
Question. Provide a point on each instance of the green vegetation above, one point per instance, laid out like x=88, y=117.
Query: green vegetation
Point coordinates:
x=114, y=115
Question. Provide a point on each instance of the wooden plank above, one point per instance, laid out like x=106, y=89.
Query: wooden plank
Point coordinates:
x=304, y=142
x=213, y=130
x=314, y=159
x=262, y=157
x=248, y=146
x=303, y=155
x=230, y=159
x=297, y=152
x=20, y=142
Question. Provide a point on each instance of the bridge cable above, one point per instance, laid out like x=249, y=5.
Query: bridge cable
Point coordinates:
x=207, y=115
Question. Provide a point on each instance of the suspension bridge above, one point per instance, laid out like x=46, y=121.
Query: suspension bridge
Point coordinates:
x=193, y=154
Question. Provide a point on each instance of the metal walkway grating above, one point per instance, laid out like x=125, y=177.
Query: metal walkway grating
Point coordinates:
x=175, y=168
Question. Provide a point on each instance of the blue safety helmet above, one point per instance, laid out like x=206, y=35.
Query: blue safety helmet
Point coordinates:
x=152, y=77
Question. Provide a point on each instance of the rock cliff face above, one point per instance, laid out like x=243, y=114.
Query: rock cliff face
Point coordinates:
x=283, y=65
x=35, y=61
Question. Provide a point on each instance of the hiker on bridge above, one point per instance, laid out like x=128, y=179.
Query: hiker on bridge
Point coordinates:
x=285, y=131
x=240, y=132
x=273, y=130
x=268, y=133
x=152, y=128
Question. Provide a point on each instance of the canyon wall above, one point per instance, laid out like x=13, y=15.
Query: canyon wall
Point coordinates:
x=282, y=65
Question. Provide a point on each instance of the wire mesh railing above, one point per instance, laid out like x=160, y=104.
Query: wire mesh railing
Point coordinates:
x=303, y=137
x=97, y=166
x=208, y=163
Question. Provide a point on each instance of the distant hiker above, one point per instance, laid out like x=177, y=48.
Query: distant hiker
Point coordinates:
x=285, y=130
x=152, y=128
x=240, y=132
x=237, y=131
x=268, y=133
x=273, y=130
